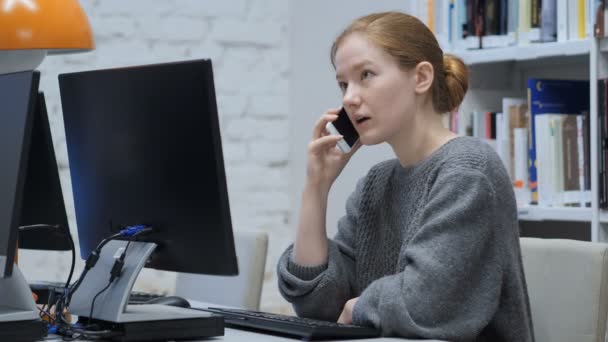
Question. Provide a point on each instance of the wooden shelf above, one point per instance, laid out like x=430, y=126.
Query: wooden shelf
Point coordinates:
x=533, y=213
x=524, y=53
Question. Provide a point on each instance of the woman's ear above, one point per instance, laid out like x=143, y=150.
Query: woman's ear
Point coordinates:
x=424, y=77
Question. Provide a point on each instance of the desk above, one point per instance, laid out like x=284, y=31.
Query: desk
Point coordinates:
x=237, y=335
x=233, y=335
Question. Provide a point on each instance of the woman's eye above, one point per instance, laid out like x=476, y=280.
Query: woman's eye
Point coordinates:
x=342, y=86
x=366, y=74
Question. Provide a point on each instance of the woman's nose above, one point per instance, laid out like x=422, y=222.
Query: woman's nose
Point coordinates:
x=351, y=97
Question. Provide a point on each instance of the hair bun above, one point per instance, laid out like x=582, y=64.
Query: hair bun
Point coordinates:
x=456, y=80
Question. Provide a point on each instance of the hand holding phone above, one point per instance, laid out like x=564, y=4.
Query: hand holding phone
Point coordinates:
x=343, y=126
x=325, y=162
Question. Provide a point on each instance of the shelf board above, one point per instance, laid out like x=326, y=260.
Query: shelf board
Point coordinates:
x=603, y=216
x=603, y=45
x=524, y=53
x=534, y=213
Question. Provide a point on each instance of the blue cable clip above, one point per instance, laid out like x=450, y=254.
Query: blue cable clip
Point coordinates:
x=133, y=230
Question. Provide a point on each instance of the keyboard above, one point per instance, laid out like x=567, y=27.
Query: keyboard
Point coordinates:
x=305, y=328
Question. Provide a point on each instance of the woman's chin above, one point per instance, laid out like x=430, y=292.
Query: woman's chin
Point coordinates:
x=370, y=140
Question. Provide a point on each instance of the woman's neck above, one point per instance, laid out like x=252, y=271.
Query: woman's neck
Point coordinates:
x=423, y=136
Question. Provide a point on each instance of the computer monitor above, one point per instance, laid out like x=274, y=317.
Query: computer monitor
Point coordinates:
x=144, y=147
x=18, y=314
x=43, y=202
x=18, y=92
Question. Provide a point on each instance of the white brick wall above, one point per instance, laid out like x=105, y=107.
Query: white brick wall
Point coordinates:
x=247, y=42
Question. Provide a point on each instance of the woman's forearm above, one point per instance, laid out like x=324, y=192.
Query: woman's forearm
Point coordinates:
x=310, y=247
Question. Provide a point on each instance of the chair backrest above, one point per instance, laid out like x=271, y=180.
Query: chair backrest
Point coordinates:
x=568, y=289
x=242, y=291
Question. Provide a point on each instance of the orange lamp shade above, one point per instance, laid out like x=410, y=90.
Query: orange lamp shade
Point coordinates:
x=58, y=26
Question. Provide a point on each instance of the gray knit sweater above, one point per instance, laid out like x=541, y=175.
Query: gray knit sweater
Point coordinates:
x=432, y=251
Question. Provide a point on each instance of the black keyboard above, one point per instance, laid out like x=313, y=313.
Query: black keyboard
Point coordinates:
x=305, y=328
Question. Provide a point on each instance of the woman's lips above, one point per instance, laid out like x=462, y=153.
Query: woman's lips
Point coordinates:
x=362, y=120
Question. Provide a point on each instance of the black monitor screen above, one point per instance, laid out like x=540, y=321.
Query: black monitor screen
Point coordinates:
x=42, y=202
x=144, y=147
x=18, y=93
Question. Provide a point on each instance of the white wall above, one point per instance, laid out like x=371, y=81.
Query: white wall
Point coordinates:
x=269, y=95
x=247, y=42
x=314, y=24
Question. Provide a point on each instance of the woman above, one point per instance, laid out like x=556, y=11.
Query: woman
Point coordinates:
x=429, y=245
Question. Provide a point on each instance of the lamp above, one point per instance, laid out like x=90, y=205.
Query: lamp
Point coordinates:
x=31, y=29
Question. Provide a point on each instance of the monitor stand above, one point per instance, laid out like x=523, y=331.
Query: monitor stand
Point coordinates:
x=19, y=320
x=137, y=322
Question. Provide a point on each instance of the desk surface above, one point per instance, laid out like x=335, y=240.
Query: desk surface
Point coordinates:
x=242, y=335
x=237, y=335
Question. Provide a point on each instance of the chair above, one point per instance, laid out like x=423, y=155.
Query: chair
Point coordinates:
x=242, y=291
x=568, y=289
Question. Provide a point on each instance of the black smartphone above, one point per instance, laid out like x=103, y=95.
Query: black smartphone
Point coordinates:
x=343, y=126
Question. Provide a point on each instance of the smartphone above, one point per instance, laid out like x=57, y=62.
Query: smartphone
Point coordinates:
x=343, y=126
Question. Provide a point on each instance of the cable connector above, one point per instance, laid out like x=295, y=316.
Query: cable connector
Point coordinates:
x=91, y=260
x=117, y=268
x=118, y=265
x=135, y=230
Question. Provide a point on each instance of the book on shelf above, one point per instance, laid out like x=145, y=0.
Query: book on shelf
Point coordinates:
x=535, y=16
x=561, y=17
x=549, y=101
x=573, y=189
x=514, y=116
x=603, y=142
x=482, y=24
x=548, y=21
x=559, y=181
x=520, y=166
x=543, y=140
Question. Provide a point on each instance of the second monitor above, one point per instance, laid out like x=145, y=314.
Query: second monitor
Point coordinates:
x=144, y=148
x=42, y=202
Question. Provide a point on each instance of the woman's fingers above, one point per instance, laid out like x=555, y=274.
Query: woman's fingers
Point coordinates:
x=323, y=143
x=319, y=129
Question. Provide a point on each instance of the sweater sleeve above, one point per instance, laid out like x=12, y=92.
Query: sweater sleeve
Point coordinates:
x=450, y=278
x=321, y=291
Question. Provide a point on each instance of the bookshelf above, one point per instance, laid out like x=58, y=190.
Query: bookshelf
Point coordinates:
x=501, y=72
x=541, y=40
x=535, y=213
x=525, y=53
